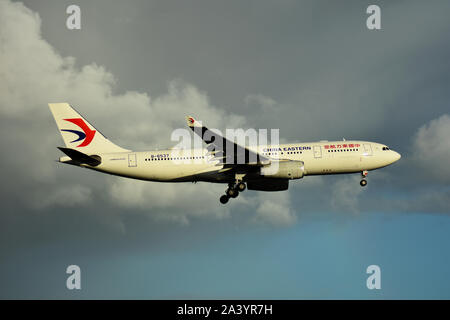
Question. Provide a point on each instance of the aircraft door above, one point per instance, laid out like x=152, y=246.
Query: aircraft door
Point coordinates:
x=317, y=151
x=132, y=160
x=367, y=149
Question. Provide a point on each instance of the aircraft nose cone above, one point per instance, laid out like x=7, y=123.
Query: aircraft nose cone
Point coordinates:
x=396, y=156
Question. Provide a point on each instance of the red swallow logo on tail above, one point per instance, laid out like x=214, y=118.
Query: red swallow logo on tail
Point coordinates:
x=86, y=135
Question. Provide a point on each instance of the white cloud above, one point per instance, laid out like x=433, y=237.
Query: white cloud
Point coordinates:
x=267, y=104
x=431, y=147
x=33, y=73
x=275, y=208
x=66, y=196
x=345, y=194
x=184, y=200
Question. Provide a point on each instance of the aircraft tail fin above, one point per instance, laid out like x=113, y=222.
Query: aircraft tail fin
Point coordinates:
x=78, y=134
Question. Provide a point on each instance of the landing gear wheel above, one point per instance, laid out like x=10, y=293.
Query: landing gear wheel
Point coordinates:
x=241, y=186
x=363, y=182
x=232, y=193
x=224, y=199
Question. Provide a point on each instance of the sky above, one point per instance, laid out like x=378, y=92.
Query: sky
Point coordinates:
x=310, y=68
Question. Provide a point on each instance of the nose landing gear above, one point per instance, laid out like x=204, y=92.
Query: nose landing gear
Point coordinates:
x=363, y=181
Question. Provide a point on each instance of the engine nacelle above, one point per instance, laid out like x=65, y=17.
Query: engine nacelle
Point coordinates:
x=284, y=170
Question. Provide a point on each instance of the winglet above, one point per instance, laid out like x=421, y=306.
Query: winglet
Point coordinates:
x=191, y=122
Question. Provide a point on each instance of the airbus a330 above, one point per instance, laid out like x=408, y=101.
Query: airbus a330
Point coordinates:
x=259, y=167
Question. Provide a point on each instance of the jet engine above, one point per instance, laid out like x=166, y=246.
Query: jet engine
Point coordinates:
x=284, y=170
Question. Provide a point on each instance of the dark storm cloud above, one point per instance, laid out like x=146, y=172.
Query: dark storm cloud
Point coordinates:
x=315, y=66
x=316, y=59
x=310, y=68
x=47, y=76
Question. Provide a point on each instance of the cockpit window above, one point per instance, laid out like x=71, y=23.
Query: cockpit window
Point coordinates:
x=385, y=148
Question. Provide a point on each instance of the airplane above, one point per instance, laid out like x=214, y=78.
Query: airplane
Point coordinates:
x=259, y=167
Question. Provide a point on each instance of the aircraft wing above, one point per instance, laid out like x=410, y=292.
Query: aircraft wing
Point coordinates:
x=225, y=150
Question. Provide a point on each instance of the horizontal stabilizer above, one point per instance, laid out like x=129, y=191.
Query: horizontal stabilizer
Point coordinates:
x=81, y=158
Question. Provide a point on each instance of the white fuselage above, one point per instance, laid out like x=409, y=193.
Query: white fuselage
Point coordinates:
x=173, y=165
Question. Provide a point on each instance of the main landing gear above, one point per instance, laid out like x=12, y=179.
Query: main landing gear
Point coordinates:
x=224, y=199
x=233, y=191
x=363, y=181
